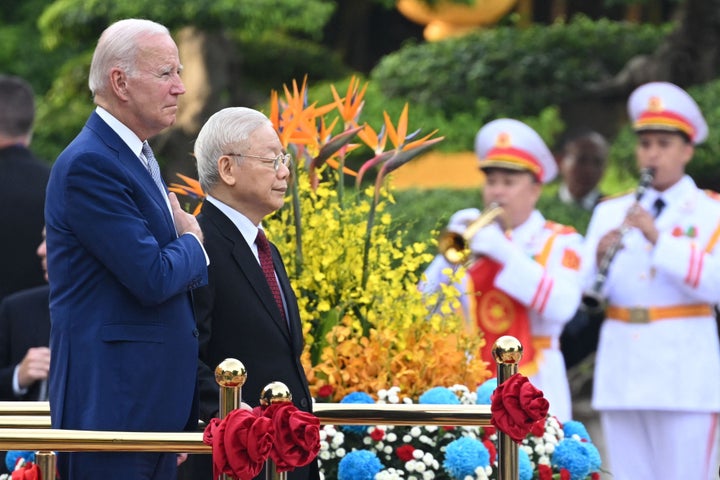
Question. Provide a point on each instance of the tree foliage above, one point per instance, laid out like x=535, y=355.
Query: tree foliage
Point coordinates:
x=80, y=20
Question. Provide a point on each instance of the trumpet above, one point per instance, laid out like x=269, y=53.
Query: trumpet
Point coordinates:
x=455, y=246
x=593, y=301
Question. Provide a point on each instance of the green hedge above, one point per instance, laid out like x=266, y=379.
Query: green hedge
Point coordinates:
x=507, y=71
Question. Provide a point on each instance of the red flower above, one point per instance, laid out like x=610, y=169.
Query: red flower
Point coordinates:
x=516, y=406
x=545, y=472
x=564, y=474
x=491, y=448
x=377, y=434
x=595, y=476
x=326, y=391
x=405, y=453
x=297, y=436
x=538, y=428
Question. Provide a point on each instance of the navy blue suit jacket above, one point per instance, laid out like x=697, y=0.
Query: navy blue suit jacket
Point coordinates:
x=123, y=336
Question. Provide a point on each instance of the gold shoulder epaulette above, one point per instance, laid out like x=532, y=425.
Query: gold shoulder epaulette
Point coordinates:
x=559, y=228
x=713, y=195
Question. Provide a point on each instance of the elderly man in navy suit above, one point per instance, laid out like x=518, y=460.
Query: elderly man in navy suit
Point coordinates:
x=124, y=259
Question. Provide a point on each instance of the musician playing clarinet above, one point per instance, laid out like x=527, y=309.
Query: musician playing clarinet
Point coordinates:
x=657, y=369
x=523, y=278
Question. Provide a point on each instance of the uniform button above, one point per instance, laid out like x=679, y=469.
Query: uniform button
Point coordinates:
x=196, y=333
x=304, y=402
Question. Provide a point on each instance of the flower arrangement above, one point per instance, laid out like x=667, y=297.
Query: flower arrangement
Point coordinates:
x=366, y=324
x=551, y=451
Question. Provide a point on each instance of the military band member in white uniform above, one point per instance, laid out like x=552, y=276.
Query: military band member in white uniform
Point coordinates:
x=524, y=279
x=657, y=370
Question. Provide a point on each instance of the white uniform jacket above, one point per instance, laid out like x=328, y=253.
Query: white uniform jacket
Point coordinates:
x=550, y=291
x=671, y=363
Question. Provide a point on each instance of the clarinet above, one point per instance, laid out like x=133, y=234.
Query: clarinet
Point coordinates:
x=592, y=300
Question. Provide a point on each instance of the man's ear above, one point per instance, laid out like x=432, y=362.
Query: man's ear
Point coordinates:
x=227, y=176
x=118, y=83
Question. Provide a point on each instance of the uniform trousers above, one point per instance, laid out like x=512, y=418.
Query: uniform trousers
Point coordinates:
x=680, y=445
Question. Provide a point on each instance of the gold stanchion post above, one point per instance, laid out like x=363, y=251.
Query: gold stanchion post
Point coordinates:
x=230, y=374
x=46, y=463
x=274, y=392
x=507, y=352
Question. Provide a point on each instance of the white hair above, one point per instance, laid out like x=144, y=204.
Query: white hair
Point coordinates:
x=226, y=131
x=118, y=47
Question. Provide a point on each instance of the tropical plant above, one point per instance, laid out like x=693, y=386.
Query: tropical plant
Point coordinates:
x=364, y=320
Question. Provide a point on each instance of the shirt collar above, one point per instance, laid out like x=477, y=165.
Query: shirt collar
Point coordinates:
x=127, y=135
x=247, y=229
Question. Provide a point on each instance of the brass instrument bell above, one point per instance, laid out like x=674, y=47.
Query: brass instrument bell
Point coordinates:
x=455, y=247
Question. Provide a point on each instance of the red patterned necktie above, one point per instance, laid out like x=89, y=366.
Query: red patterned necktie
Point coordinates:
x=266, y=263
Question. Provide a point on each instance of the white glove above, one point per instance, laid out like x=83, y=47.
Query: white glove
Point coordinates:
x=461, y=219
x=490, y=241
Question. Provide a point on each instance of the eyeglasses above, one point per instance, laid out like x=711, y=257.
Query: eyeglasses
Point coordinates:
x=283, y=158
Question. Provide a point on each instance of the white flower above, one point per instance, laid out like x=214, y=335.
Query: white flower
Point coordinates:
x=418, y=454
x=391, y=437
x=415, y=431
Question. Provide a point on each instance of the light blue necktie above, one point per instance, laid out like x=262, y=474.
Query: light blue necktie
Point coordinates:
x=153, y=167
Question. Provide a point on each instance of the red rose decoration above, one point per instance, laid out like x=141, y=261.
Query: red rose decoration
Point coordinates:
x=377, y=434
x=29, y=471
x=241, y=443
x=516, y=406
x=405, y=453
x=297, y=436
x=248, y=441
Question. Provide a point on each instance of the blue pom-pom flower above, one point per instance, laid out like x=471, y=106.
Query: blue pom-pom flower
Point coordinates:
x=12, y=456
x=573, y=456
x=463, y=456
x=573, y=427
x=525, y=468
x=439, y=396
x=485, y=391
x=356, y=397
x=359, y=465
x=594, y=459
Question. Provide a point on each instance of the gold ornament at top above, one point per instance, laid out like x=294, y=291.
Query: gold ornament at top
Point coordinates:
x=447, y=18
x=230, y=373
x=275, y=392
x=507, y=350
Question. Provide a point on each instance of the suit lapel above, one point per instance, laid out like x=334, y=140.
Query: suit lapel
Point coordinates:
x=248, y=264
x=130, y=162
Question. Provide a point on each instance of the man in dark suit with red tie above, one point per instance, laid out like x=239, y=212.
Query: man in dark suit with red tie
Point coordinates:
x=23, y=179
x=248, y=310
